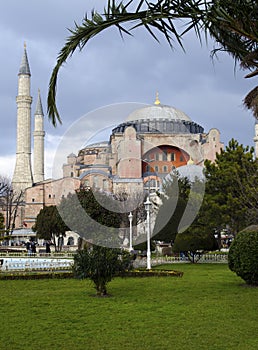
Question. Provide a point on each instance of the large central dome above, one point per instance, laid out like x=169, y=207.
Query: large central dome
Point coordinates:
x=159, y=118
x=158, y=112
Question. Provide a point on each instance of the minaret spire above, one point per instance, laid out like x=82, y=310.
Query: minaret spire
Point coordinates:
x=22, y=177
x=39, y=109
x=24, y=67
x=39, y=135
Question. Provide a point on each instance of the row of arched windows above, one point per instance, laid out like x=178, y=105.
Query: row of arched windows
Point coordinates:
x=159, y=169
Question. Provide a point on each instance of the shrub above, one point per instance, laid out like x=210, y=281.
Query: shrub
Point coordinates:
x=243, y=255
x=194, y=244
x=143, y=246
x=101, y=265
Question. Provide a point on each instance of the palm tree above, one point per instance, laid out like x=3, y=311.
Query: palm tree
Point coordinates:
x=234, y=27
x=232, y=24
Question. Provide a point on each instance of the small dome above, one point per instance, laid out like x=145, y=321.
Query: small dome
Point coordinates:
x=191, y=171
x=158, y=112
x=72, y=155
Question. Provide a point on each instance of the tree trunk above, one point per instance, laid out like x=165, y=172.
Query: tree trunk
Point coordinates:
x=101, y=289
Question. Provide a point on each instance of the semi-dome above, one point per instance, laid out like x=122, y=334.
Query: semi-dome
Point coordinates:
x=190, y=171
x=99, y=144
x=158, y=111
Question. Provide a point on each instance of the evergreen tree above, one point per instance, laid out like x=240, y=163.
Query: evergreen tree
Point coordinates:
x=50, y=225
x=230, y=199
x=174, y=199
x=231, y=195
x=94, y=215
x=194, y=243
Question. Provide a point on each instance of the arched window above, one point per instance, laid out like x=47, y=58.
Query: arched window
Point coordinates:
x=164, y=156
x=105, y=184
x=165, y=169
x=95, y=181
x=70, y=241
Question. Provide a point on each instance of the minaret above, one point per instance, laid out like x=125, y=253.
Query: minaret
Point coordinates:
x=39, y=134
x=256, y=138
x=22, y=177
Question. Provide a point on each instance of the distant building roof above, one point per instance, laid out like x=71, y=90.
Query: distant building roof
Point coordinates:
x=23, y=232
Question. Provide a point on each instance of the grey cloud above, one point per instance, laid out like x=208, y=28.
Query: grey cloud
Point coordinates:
x=111, y=70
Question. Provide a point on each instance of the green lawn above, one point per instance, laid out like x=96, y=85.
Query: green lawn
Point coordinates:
x=208, y=308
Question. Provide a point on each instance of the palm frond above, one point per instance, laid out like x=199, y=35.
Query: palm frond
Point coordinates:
x=234, y=27
x=231, y=24
x=251, y=101
x=159, y=16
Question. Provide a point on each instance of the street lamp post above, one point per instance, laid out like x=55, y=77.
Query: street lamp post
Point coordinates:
x=147, y=208
x=130, y=216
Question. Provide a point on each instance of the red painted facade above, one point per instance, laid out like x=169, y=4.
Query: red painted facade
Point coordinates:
x=163, y=159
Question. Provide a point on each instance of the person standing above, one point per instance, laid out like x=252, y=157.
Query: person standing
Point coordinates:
x=33, y=247
x=28, y=247
x=48, y=250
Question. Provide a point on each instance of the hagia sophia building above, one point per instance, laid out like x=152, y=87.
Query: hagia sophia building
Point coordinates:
x=140, y=152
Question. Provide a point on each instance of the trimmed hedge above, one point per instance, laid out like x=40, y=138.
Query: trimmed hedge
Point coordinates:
x=243, y=255
x=34, y=276
x=45, y=275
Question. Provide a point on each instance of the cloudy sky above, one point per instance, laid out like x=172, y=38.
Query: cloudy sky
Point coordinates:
x=120, y=74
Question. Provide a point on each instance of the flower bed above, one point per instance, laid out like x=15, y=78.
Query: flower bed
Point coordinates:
x=34, y=275
x=153, y=273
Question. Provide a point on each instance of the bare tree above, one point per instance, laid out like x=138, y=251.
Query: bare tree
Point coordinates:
x=3, y=185
x=10, y=202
